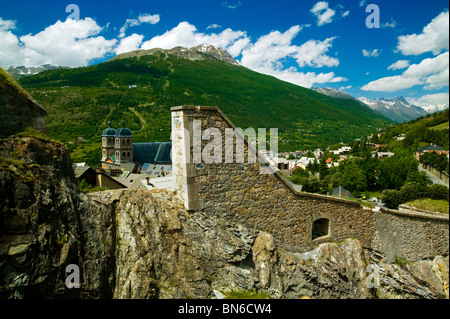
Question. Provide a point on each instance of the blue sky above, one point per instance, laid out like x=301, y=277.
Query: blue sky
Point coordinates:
x=309, y=43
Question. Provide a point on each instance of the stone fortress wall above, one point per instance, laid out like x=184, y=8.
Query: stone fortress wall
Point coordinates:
x=271, y=203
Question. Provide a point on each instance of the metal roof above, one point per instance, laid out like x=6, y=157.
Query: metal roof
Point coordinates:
x=152, y=153
x=431, y=147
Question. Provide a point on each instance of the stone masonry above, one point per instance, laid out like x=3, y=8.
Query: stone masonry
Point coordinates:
x=270, y=202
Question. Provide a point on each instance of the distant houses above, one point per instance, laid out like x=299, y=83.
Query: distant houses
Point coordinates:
x=431, y=148
x=305, y=161
x=97, y=179
x=382, y=155
x=342, y=150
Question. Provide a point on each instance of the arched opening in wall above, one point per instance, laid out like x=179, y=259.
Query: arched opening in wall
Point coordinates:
x=320, y=228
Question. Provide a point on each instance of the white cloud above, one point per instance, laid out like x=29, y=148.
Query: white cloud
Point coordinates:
x=130, y=43
x=323, y=13
x=312, y=53
x=186, y=35
x=391, y=84
x=267, y=54
x=391, y=24
x=268, y=51
x=7, y=25
x=438, y=80
x=69, y=43
x=434, y=38
x=236, y=48
x=147, y=18
x=400, y=64
x=342, y=88
x=213, y=26
x=143, y=18
x=437, y=98
x=373, y=53
x=362, y=3
x=346, y=13
x=233, y=5
x=432, y=73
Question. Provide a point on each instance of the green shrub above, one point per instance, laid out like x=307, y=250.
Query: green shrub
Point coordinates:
x=253, y=294
x=437, y=191
x=391, y=198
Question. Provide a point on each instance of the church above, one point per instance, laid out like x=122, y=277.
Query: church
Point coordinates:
x=120, y=153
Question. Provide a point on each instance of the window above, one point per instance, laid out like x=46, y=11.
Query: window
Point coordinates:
x=320, y=228
x=129, y=154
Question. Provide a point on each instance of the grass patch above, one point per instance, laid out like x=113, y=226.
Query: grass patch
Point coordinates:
x=33, y=133
x=253, y=294
x=401, y=261
x=431, y=205
x=91, y=153
x=8, y=79
x=358, y=200
x=442, y=126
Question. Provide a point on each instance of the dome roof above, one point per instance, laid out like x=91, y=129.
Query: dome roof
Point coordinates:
x=123, y=132
x=109, y=131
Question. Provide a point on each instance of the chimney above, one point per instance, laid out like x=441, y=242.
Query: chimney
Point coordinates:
x=148, y=179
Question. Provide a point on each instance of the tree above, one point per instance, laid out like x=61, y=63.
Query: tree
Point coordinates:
x=312, y=184
x=375, y=138
x=299, y=175
x=391, y=198
x=355, y=148
x=394, y=170
x=313, y=166
x=420, y=178
x=437, y=191
x=353, y=178
x=291, y=157
x=412, y=191
x=323, y=168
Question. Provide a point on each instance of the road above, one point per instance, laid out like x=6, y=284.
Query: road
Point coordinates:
x=433, y=178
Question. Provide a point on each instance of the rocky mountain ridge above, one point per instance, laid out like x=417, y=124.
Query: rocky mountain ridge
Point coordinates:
x=333, y=93
x=19, y=72
x=397, y=108
x=137, y=244
x=200, y=52
x=432, y=108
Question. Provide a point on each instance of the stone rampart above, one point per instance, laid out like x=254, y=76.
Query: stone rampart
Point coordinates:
x=298, y=221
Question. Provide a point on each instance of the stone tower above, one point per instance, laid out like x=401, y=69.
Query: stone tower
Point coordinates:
x=108, y=141
x=123, y=146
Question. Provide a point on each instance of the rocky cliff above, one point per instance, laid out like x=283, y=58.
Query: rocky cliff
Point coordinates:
x=144, y=244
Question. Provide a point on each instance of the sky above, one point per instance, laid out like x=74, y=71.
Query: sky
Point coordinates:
x=367, y=48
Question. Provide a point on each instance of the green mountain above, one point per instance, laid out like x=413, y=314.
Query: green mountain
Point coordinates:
x=141, y=87
x=432, y=128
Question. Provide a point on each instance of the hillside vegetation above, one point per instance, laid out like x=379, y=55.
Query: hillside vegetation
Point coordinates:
x=142, y=89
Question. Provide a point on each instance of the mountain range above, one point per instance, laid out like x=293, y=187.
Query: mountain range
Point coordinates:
x=397, y=109
x=140, y=87
x=19, y=72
